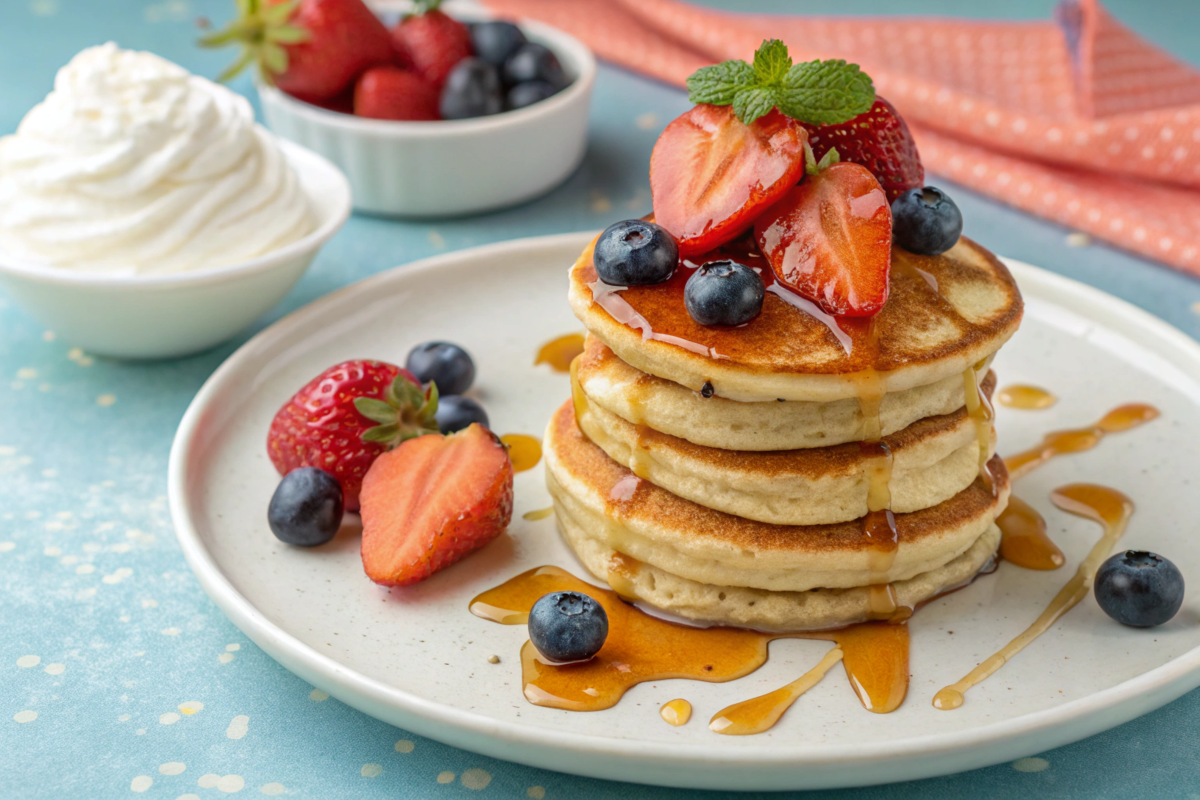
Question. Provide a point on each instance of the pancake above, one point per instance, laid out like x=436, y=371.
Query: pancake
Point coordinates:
x=637, y=518
x=932, y=460
x=710, y=604
x=945, y=314
x=670, y=408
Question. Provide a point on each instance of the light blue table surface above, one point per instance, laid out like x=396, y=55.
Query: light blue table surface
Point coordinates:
x=104, y=632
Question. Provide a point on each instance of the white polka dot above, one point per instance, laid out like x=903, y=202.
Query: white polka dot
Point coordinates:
x=208, y=781
x=86, y=594
x=476, y=779
x=233, y=648
x=1165, y=243
x=535, y=792
x=170, y=718
x=177, y=631
x=25, y=716
x=119, y=575
x=141, y=783
x=85, y=569
x=26, y=374
x=67, y=561
x=1030, y=764
x=238, y=727
x=55, y=669
x=6, y=546
x=231, y=783
x=53, y=552
x=171, y=768
x=124, y=718
x=371, y=770
x=140, y=731
x=404, y=746
x=25, y=662
x=225, y=658
x=191, y=707
x=317, y=696
x=105, y=400
x=445, y=777
x=188, y=796
x=154, y=603
x=273, y=788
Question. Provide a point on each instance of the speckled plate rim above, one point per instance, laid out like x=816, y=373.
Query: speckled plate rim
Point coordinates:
x=671, y=764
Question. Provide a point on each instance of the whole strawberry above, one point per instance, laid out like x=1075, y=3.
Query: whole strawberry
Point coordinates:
x=347, y=417
x=880, y=141
x=311, y=49
x=431, y=41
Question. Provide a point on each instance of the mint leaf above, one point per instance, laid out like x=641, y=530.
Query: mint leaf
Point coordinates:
x=750, y=104
x=826, y=92
x=771, y=63
x=719, y=83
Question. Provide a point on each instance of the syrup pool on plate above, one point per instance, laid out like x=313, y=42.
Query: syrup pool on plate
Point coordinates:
x=560, y=352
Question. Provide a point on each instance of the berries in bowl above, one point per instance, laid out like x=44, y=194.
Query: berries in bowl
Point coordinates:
x=428, y=114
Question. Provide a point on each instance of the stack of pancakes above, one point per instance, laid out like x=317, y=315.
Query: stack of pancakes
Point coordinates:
x=790, y=473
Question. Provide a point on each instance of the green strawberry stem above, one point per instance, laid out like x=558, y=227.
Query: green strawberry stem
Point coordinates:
x=262, y=30
x=405, y=412
x=814, y=167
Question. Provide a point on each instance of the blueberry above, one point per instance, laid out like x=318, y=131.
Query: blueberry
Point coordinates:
x=724, y=293
x=455, y=413
x=533, y=62
x=926, y=221
x=447, y=365
x=1139, y=588
x=495, y=41
x=567, y=626
x=306, y=508
x=528, y=93
x=472, y=89
x=635, y=253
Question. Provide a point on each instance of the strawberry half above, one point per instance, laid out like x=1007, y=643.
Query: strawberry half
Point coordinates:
x=880, y=141
x=830, y=239
x=347, y=417
x=394, y=93
x=311, y=49
x=431, y=42
x=711, y=174
x=432, y=501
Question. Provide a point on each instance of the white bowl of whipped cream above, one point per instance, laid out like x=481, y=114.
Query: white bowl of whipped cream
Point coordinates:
x=144, y=214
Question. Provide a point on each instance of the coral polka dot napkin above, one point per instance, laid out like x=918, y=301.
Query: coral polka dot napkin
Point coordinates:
x=1078, y=120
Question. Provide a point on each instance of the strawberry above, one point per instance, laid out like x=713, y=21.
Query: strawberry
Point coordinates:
x=311, y=49
x=830, y=239
x=711, y=174
x=880, y=141
x=347, y=417
x=394, y=93
x=431, y=41
x=433, y=500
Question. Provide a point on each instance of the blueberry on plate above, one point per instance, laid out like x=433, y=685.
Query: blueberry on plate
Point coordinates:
x=534, y=62
x=306, y=508
x=926, y=221
x=1139, y=588
x=528, y=93
x=567, y=626
x=635, y=253
x=455, y=413
x=472, y=89
x=446, y=364
x=724, y=293
x=495, y=41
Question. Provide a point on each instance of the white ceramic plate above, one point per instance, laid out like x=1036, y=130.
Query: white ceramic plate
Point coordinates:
x=416, y=658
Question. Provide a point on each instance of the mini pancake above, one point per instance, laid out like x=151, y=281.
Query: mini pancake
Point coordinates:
x=670, y=408
x=945, y=314
x=932, y=460
x=650, y=524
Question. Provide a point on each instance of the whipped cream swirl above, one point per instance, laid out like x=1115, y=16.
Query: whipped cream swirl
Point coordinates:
x=133, y=165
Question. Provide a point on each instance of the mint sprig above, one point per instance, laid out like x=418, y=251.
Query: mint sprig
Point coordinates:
x=817, y=92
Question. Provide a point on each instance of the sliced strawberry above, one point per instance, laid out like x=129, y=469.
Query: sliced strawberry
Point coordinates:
x=433, y=500
x=431, y=42
x=830, y=239
x=394, y=93
x=880, y=141
x=711, y=174
x=343, y=419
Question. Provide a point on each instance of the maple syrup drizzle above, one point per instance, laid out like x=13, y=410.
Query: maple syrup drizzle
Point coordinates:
x=537, y=514
x=1026, y=398
x=642, y=648
x=1100, y=504
x=979, y=408
x=609, y=298
x=578, y=400
x=761, y=713
x=676, y=712
x=560, y=352
x=524, y=451
x=1023, y=537
x=1122, y=418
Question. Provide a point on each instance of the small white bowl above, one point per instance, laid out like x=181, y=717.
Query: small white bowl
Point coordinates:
x=160, y=316
x=452, y=167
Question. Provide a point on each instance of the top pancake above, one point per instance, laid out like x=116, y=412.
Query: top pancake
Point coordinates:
x=945, y=313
